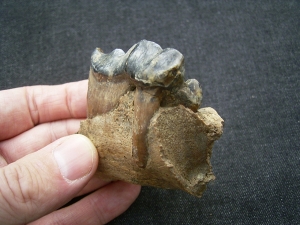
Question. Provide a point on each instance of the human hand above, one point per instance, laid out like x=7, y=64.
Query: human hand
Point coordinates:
x=43, y=166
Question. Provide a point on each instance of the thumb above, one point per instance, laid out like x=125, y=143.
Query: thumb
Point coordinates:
x=43, y=181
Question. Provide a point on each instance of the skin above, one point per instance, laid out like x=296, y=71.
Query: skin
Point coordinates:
x=34, y=121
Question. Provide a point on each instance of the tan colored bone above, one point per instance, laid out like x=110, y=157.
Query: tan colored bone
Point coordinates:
x=151, y=136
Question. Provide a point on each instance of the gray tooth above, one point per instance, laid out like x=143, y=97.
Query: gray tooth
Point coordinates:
x=163, y=69
x=145, y=62
x=188, y=94
x=153, y=66
x=194, y=92
x=108, y=64
x=141, y=56
x=108, y=80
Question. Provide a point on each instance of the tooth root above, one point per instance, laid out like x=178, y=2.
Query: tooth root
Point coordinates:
x=146, y=103
x=107, y=91
x=107, y=81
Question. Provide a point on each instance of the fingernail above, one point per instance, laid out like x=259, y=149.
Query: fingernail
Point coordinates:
x=74, y=157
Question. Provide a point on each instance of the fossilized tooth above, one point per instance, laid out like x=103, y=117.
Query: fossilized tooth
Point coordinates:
x=153, y=66
x=188, y=94
x=147, y=67
x=145, y=119
x=156, y=69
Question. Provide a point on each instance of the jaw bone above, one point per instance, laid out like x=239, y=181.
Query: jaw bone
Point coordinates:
x=166, y=139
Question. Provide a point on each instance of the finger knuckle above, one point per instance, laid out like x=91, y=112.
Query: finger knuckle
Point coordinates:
x=20, y=187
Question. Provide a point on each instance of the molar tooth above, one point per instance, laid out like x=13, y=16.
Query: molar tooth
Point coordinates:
x=141, y=56
x=151, y=69
x=193, y=94
x=164, y=68
x=153, y=66
x=188, y=94
x=108, y=81
x=110, y=64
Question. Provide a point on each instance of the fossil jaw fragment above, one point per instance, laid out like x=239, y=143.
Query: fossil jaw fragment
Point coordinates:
x=145, y=119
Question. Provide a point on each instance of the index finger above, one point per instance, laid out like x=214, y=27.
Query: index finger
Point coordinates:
x=23, y=108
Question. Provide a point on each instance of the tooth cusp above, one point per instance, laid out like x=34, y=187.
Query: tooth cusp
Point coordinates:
x=110, y=64
x=163, y=69
x=140, y=57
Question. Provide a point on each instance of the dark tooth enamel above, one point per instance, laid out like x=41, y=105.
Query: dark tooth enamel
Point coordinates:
x=108, y=64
